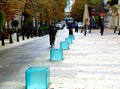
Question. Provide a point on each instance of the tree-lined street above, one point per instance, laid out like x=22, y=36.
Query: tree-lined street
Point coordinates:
x=33, y=17
x=91, y=62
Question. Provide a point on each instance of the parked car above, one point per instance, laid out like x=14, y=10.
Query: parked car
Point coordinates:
x=63, y=23
x=60, y=25
x=80, y=25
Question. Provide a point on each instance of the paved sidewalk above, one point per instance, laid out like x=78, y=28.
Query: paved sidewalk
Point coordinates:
x=92, y=62
x=9, y=45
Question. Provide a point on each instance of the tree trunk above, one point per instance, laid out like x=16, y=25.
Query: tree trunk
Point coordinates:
x=27, y=33
x=11, y=41
x=22, y=32
x=115, y=29
x=119, y=32
x=2, y=38
x=31, y=34
x=17, y=36
x=27, y=30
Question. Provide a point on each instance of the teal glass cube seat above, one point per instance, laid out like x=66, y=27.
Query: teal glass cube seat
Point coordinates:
x=64, y=45
x=37, y=77
x=69, y=40
x=56, y=54
x=72, y=36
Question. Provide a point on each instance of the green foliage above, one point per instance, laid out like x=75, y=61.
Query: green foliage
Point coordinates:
x=112, y=2
x=1, y=29
x=15, y=23
x=2, y=20
x=15, y=29
x=96, y=18
x=78, y=7
x=28, y=20
x=11, y=31
x=44, y=28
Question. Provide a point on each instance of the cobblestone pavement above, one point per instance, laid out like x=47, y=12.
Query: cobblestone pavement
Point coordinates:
x=92, y=62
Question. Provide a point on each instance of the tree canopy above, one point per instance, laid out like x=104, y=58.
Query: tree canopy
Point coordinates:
x=45, y=9
x=112, y=2
x=78, y=7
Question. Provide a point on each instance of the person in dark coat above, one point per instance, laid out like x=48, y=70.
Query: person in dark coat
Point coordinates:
x=76, y=27
x=90, y=27
x=52, y=33
x=102, y=26
x=70, y=29
x=102, y=29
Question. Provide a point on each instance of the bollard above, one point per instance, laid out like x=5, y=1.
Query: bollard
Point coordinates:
x=56, y=54
x=37, y=77
x=64, y=45
x=69, y=40
x=72, y=36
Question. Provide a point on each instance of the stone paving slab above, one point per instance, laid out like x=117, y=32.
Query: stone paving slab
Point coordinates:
x=96, y=62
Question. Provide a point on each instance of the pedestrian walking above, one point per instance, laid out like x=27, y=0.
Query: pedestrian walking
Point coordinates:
x=102, y=29
x=115, y=29
x=119, y=32
x=85, y=27
x=52, y=33
x=102, y=26
x=90, y=27
x=76, y=27
x=70, y=29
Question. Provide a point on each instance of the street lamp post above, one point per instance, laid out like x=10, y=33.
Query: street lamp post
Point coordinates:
x=22, y=30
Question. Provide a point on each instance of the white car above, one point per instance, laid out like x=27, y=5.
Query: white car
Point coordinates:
x=59, y=26
x=80, y=24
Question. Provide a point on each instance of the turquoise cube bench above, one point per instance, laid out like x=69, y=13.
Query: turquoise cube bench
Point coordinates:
x=64, y=45
x=72, y=36
x=37, y=77
x=69, y=40
x=56, y=54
